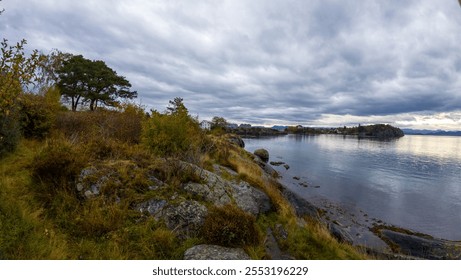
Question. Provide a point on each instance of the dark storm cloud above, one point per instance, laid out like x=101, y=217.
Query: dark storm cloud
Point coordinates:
x=264, y=61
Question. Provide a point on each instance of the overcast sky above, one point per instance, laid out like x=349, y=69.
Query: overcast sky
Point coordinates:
x=326, y=62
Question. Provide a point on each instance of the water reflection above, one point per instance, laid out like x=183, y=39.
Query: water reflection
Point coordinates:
x=434, y=147
x=413, y=182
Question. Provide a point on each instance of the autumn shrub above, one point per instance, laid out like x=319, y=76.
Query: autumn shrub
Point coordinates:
x=56, y=167
x=73, y=125
x=173, y=135
x=231, y=227
x=10, y=132
x=124, y=125
x=37, y=115
x=100, y=148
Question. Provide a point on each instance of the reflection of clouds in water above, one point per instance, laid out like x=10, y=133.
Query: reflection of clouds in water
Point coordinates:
x=425, y=148
x=412, y=182
x=434, y=147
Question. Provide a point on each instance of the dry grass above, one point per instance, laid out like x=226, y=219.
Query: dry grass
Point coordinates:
x=24, y=234
x=230, y=227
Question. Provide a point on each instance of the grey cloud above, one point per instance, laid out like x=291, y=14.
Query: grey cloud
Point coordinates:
x=263, y=61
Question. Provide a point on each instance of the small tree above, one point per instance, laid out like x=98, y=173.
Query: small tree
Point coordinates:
x=219, y=122
x=84, y=81
x=47, y=76
x=173, y=134
x=16, y=72
x=177, y=107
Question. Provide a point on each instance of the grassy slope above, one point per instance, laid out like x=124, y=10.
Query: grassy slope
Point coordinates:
x=24, y=234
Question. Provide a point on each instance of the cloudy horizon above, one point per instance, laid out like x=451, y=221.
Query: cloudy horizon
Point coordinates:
x=314, y=63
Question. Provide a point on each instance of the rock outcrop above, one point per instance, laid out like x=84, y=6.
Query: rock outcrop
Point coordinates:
x=301, y=206
x=236, y=140
x=186, y=218
x=153, y=207
x=403, y=241
x=340, y=233
x=111, y=179
x=267, y=168
x=214, y=252
x=220, y=191
x=263, y=154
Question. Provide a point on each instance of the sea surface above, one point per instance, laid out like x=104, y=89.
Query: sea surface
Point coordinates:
x=413, y=182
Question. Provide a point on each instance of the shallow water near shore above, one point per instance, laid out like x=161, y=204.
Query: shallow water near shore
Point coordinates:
x=412, y=182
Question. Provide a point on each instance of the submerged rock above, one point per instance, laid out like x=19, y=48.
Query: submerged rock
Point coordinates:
x=419, y=245
x=214, y=252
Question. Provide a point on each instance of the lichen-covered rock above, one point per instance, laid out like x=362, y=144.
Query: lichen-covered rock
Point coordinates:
x=155, y=183
x=153, y=207
x=215, y=194
x=214, y=252
x=186, y=218
x=220, y=191
x=113, y=178
x=92, y=179
x=263, y=154
x=250, y=199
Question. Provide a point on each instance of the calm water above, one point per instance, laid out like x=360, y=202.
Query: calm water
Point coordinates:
x=413, y=182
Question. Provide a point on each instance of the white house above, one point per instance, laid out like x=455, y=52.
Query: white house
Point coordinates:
x=205, y=125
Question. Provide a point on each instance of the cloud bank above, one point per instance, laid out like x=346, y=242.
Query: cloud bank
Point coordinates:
x=327, y=62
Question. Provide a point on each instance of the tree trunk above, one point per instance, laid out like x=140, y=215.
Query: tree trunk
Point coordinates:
x=92, y=105
x=74, y=104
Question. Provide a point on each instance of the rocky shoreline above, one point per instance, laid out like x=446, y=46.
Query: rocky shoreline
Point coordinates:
x=389, y=242
x=184, y=208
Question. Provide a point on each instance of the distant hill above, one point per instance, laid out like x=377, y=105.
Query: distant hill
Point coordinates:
x=409, y=131
x=279, y=127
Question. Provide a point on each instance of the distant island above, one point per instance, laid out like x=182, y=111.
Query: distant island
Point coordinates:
x=431, y=132
x=378, y=131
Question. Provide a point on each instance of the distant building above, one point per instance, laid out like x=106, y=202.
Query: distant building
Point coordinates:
x=205, y=125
